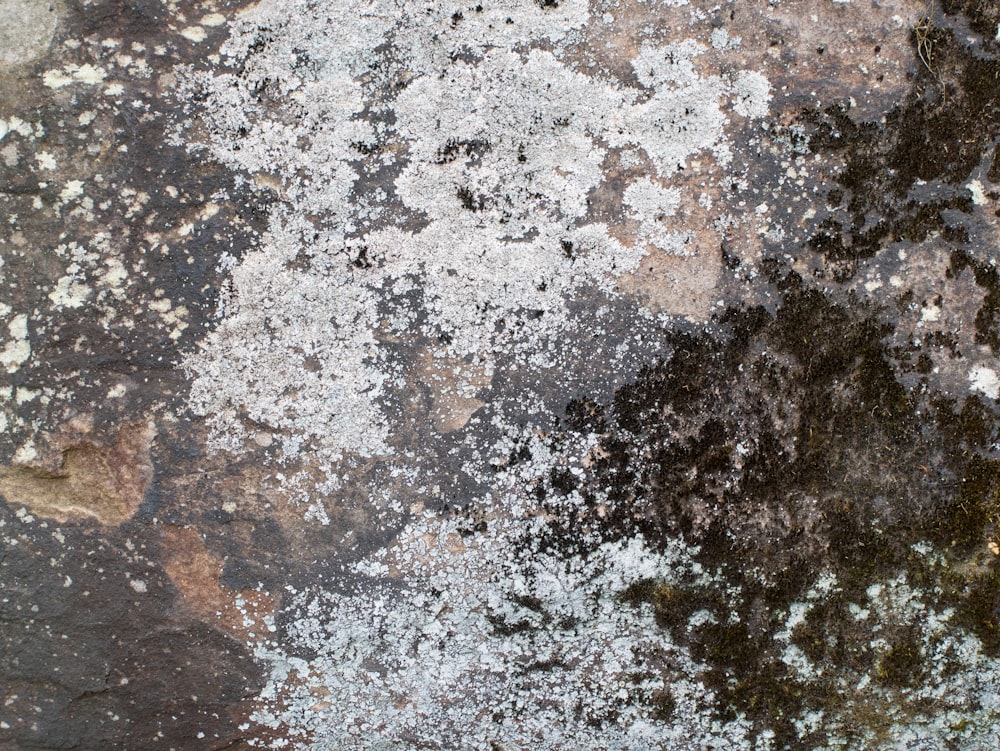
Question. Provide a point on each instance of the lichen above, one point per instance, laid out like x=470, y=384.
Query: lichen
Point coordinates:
x=772, y=530
x=435, y=187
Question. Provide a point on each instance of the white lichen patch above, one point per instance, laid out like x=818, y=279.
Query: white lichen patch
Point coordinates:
x=459, y=641
x=442, y=178
x=45, y=160
x=751, y=94
x=17, y=349
x=86, y=74
x=435, y=169
x=515, y=628
x=651, y=205
x=73, y=189
x=69, y=291
x=449, y=184
x=978, y=192
x=194, y=33
x=985, y=380
x=93, y=276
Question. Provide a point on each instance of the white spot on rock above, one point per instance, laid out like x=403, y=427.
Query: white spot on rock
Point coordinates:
x=930, y=313
x=18, y=347
x=84, y=74
x=985, y=380
x=751, y=93
x=194, y=33
x=978, y=192
x=73, y=189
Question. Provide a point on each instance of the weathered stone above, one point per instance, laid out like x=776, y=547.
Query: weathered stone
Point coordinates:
x=26, y=29
x=497, y=375
x=84, y=479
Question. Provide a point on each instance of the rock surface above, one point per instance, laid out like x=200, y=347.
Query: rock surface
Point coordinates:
x=515, y=374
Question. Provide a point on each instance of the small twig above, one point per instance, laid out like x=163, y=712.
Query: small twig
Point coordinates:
x=925, y=44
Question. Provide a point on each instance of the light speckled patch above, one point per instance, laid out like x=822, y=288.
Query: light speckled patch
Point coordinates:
x=26, y=29
x=438, y=174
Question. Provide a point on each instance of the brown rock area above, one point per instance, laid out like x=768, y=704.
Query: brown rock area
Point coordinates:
x=196, y=572
x=99, y=652
x=84, y=479
x=453, y=385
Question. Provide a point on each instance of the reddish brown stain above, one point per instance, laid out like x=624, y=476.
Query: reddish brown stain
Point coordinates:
x=196, y=572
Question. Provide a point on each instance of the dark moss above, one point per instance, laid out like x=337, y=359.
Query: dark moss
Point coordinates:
x=941, y=131
x=983, y=15
x=529, y=602
x=903, y=663
x=979, y=608
x=988, y=317
x=562, y=480
x=585, y=416
x=749, y=679
x=811, y=637
x=663, y=705
x=672, y=605
x=784, y=446
x=975, y=510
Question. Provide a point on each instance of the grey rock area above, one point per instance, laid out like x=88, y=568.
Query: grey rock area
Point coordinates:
x=499, y=375
x=26, y=30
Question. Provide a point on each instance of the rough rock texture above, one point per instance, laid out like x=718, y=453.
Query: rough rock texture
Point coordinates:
x=514, y=374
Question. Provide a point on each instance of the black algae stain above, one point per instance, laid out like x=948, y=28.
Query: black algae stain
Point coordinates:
x=784, y=446
x=943, y=130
